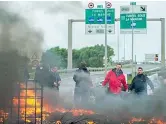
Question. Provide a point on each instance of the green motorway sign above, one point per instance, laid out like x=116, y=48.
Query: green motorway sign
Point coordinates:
x=134, y=16
x=132, y=3
x=95, y=21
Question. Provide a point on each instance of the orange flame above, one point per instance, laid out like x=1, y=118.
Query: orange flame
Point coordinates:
x=151, y=121
x=47, y=109
x=3, y=116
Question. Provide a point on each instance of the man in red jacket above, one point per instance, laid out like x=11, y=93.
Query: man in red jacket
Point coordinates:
x=116, y=79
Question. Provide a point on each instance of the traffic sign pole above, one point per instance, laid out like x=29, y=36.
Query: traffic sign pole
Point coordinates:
x=106, y=38
x=118, y=40
x=132, y=43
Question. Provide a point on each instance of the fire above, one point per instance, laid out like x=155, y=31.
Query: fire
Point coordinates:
x=47, y=109
x=151, y=121
x=30, y=104
x=75, y=112
x=3, y=116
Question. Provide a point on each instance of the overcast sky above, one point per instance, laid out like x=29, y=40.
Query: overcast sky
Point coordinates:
x=52, y=18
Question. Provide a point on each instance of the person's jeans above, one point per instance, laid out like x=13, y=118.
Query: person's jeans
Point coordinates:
x=81, y=97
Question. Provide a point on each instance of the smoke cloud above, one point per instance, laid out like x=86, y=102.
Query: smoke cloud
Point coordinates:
x=121, y=109
x=130, y=105
x=18, y=42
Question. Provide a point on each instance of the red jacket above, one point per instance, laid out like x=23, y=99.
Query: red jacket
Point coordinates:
x=115, y=82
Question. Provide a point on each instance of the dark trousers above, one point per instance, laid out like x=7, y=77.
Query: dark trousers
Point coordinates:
x=81, y=97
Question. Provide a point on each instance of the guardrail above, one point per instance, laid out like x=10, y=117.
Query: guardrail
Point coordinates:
x=148, y=72
x=102, y=69
x=152, y=71
x=91, y=69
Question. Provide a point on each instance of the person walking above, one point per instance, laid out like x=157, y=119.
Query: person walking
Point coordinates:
x=140, y=82
x=83, y=84
x=116, y=80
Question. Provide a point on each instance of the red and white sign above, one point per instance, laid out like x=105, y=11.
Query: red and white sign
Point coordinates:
x=109, y=5
x=91, y=5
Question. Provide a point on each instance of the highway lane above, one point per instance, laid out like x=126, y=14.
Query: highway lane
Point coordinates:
x=67, y=85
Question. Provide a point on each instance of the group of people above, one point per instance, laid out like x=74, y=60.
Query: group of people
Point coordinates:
x=83, y=83
x=116, y=82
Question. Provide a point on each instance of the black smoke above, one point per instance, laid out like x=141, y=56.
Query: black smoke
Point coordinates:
x=18, y=41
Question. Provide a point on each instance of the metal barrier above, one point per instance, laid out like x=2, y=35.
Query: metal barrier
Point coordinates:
x=102, y=69
x=2, y=120
x=69, y=71
x=26, y=104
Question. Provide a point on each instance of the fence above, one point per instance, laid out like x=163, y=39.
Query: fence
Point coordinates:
x=26, y=105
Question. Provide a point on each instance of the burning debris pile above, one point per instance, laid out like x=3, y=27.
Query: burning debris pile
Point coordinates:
x=52, y=114
x=129, y=111
x=29, y=107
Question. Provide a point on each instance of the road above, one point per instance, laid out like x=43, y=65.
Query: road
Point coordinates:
x=67, y=85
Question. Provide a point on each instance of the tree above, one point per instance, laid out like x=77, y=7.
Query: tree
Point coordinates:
x=93, y=56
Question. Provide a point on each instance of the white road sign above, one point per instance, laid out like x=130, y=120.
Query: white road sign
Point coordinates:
x=149, y=57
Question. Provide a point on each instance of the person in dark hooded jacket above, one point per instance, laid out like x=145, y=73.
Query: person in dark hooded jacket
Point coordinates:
x=139, y=83
x=42, y=74
x=83, y=83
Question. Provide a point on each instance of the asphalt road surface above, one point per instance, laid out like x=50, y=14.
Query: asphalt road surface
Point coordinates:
x=67, y=84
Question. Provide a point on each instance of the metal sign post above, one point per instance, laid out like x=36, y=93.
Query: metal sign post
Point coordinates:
x=132, y=51
x=99, y=20
x=133, y=21
x=106, y=56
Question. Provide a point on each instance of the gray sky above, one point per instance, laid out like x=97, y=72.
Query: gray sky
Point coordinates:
x=52, y=18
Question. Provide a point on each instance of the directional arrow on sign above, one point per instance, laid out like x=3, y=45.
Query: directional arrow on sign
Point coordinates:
x=133, y=24
x=142, y=8
x=90, y=31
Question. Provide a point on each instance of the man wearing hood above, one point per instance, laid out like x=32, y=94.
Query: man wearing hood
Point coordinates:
x=139, y=83
x=115, y=78
x=83, y=83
